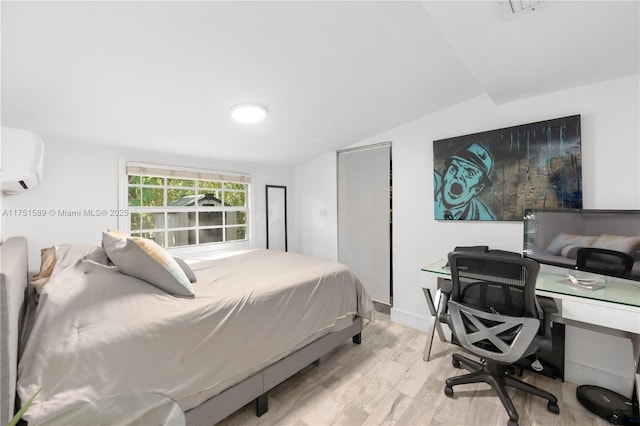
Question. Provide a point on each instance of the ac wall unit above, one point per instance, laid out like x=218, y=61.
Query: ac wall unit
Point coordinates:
x=22, y=155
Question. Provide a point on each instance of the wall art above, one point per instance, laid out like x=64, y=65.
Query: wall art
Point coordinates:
x=496, y=175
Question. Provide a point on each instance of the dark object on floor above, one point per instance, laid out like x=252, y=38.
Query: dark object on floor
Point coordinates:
x=609, y=405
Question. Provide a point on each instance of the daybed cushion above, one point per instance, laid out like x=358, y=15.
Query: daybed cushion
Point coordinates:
x=145, y=259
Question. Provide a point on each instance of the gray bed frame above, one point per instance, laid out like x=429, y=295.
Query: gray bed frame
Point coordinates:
x=14, y=307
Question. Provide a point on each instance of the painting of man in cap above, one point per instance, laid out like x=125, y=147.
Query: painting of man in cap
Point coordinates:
x=466, y=176
x=497, y=174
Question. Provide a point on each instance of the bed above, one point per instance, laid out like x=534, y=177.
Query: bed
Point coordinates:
x=255, y=319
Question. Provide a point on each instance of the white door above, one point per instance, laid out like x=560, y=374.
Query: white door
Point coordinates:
x=364, y=210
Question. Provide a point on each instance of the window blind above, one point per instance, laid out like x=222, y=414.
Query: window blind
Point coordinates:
x=181, y=173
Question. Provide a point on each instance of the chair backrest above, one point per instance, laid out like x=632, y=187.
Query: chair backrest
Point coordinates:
x=603, y=261
x=492, y=305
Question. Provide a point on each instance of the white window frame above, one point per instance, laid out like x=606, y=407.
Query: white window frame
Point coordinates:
x=124, y=221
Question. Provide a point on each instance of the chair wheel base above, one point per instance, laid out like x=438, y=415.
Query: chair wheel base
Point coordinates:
x=512, y=423
x=455, y=363
x=553, y=407
x=448, y=390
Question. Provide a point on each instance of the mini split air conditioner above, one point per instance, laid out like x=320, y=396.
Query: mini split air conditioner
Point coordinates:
x=22, y=154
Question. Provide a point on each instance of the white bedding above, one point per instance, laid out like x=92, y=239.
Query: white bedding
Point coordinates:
x=98, y=332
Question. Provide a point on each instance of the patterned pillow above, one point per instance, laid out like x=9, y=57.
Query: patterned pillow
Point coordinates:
x=570, y=251
x=47, y=263
x=143, y=258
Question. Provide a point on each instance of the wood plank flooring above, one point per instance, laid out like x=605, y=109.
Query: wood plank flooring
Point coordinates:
x=384, y=381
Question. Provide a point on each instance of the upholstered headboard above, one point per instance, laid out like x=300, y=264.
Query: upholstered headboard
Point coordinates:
x=14, y=277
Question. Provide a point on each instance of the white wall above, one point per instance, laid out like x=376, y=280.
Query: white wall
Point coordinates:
x=611, y=177
x=81, y=176
x=315, y=207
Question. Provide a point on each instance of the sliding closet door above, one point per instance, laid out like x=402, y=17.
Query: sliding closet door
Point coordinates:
x=364, y=242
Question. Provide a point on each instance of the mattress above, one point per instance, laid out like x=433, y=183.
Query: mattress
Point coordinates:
x=98, y=332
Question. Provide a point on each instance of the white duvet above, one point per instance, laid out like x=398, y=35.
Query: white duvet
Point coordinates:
x=98, y=332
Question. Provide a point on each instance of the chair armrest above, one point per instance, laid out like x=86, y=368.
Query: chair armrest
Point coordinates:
x=443, y=314
x=548, y=306
x=446, y=286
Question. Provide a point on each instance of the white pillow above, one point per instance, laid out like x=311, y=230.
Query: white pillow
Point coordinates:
x=618, y=243
x=143, y=258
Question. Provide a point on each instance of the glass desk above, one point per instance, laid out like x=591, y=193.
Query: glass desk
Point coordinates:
x=136, y=408
x=613, y=309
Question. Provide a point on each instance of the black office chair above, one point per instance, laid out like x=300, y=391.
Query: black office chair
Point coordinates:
x=603, y=261
x=492, y=312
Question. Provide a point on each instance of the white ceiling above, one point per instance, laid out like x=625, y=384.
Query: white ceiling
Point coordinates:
x=162, y=75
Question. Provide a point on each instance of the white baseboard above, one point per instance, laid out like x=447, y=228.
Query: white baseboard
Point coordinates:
x=417, y=322
x=581, y=374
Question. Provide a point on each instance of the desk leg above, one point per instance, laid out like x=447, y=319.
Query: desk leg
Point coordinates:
x=436, y=324
x=635, y=346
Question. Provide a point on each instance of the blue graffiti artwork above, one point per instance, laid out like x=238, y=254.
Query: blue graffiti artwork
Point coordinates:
x=497, y=174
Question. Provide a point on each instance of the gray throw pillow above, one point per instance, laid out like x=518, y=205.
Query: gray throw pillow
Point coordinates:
x=143, y=258
x=186, y=269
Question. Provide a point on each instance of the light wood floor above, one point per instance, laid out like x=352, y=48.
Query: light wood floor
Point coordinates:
x=384, y=381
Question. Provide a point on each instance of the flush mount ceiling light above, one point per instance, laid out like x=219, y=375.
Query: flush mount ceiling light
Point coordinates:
x=248, y=113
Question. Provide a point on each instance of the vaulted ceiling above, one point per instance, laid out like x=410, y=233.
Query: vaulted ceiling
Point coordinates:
x=162, y=75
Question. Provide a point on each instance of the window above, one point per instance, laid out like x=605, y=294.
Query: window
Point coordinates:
x=180, y=208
